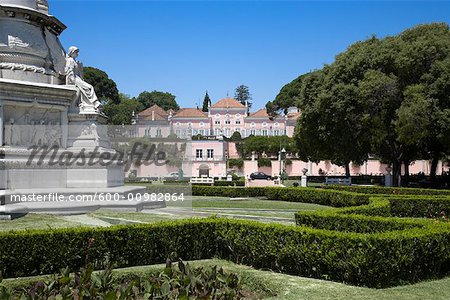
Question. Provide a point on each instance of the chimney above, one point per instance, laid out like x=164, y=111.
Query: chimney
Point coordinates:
x=153, y=115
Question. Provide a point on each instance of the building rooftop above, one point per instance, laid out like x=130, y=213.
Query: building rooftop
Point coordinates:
x=228, y=103
x=154, y=108
x=190, y=113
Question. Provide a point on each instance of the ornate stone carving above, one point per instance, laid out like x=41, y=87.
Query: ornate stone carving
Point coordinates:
x=88, y=101
x=22, y=67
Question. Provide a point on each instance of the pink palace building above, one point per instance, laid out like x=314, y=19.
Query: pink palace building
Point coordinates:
x=207, y=157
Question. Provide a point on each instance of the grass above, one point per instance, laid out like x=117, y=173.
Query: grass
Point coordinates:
x=208, y=205
x=37, y=221
x=216, y=202
x=285, y=287
x=118, y=217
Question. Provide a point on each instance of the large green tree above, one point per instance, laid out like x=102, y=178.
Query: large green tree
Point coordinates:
x=163, y=99
x=385, y=97
x=105, y=87
x=242, y=94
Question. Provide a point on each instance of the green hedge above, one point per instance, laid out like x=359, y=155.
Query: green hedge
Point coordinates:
x=369, y=259
x=379, y=190
x=420, y=207
x=229, y=183
x=305, y=195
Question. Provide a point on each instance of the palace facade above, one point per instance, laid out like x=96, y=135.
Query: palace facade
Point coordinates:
x=208, y=155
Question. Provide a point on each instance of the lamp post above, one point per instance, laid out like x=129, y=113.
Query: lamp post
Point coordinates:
x=281, y=154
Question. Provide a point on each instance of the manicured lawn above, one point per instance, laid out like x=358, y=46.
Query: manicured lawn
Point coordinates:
x=218, y=202
x=118, y=217
x=271, y=285
x=37, y=221
x=269, y=211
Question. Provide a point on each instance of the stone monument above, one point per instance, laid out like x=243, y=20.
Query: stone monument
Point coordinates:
x=45, y=102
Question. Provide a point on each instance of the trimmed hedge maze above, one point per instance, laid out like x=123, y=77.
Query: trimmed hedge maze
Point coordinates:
x=366, y=241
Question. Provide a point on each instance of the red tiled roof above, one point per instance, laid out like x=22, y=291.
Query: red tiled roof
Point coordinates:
x=190, y=113
x=262, y=113
x=228, y=103
x=154, y=108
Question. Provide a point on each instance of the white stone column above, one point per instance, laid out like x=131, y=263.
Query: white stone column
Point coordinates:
x=65, y=128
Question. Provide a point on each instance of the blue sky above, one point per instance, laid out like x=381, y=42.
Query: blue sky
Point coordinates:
x=189, y=47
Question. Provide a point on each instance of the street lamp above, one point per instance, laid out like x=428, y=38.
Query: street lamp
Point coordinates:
x=282, y=152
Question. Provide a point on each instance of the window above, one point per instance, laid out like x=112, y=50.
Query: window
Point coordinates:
x=201, y=132
x=217, y=132
x=253, y=124
x=264, y=132
x=276, y=124
x=227, y=132
x=264, y=124
x=217, y=122
x=253, y=132
x=202, y=124
x=199, y=153
x=178, y=124
x=238, y=115
x=178, y=133
x=217, y=116
x=238, y=122
x=158, y=132
x=210, y=153
x=276, y=132
x=227, y=122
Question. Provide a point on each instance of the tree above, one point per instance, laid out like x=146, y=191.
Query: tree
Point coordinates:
x=272, y=109
x=242, y=94
x=387, y=97
x=121, y=113
x=289, y=95
x=105, y=88
x=206, y=102
x=163, y=99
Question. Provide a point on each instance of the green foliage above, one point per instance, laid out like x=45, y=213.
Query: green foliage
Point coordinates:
x=304, y=195
x=270, y=145
x=236, y=162
x=105, y=88
x=379, y=190
x=362, y=245
x=163, y=99
x=236, y=136
x=387, y=97
x=264, y=162
x=288, y=96
x=122, y=112
x=206, y=102
x=242, y=94
x=229, y=183
x=183, y=282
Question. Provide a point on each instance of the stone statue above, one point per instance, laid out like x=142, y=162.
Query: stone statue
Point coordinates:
x=73, y=72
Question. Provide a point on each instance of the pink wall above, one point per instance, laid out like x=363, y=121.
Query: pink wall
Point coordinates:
x=372, y=167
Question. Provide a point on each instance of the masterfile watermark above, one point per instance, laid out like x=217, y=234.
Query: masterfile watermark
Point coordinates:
x=140, y=154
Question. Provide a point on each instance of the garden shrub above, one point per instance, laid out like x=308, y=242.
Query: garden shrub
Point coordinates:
x=377, y=259
x=420, y=206
x=380, y=190
x=229, y=183
x=305, y=195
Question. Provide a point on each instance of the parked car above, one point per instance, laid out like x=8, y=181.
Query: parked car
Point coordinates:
x=260, y=175
x=172, y=175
